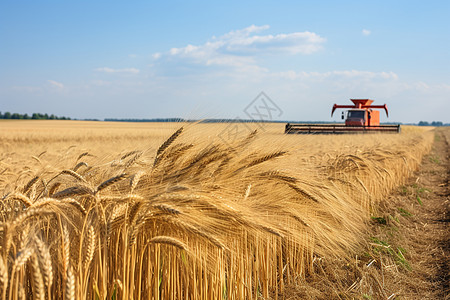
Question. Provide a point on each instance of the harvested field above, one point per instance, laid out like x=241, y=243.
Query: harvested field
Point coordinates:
x=200, y=211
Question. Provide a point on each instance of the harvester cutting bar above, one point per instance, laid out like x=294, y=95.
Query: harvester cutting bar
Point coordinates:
x=338, y=129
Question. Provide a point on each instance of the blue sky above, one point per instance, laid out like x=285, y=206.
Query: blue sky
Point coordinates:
x=205, y=59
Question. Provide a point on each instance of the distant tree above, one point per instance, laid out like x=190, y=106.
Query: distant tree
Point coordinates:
x=34, y=116
x=424, y=123
x=436, y=123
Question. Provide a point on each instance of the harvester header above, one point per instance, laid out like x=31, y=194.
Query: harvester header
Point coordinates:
x=361, y=118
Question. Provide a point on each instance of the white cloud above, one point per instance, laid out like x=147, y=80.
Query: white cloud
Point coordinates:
x=56, y=84
x=240, y=48
x=111, y=70
x=366, y=32
x=345, y=74
x=422, y=85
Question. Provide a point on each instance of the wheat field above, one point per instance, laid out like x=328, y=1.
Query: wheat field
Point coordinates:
x=98, y=210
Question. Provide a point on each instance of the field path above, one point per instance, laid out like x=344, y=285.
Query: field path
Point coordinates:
x=426, y=234
x=436, y=213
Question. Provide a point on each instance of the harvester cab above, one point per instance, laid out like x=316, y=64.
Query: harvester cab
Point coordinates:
x=361, y=113
x=361, y=118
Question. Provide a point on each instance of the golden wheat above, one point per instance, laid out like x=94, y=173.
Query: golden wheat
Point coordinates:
x=194, y=218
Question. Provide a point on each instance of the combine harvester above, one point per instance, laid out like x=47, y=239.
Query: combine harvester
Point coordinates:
x=361, y=118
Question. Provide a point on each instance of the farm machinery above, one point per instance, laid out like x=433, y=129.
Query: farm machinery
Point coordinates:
x=361, y=118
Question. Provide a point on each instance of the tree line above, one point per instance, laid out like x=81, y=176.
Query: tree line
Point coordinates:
x=34, y=116
x=434, y=123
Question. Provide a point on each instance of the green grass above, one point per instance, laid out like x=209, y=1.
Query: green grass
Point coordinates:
x=435, y=159
x=397, y=253
x=401, y=260
x=404, y=212
x=380, y=220
x=419, y=200
x=403, y=190
x=422, y=190
x=394, y=218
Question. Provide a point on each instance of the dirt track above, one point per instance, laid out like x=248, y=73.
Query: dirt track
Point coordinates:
x=429, y=232
x=422, y=209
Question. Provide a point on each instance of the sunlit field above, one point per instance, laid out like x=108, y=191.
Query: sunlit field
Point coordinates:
x=99, y=210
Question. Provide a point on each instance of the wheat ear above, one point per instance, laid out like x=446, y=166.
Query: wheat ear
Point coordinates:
x=169, y=241
x=30, y=184
x=110, y=182
x=166, y=144
x=70, y=284
x=46, y=260
x=38, y=283
x=74, y=175
x=22, y=258
x=3, y=273
x=91, y=244
x=22, y=198
x=79, y=165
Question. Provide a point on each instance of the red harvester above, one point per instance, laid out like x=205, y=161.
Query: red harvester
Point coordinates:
x=361, y=118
